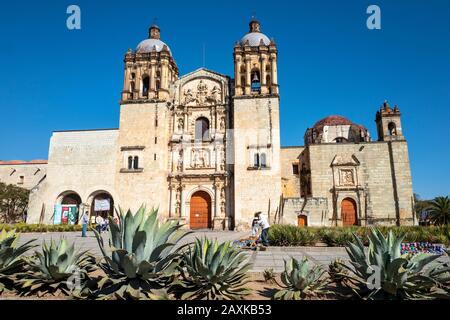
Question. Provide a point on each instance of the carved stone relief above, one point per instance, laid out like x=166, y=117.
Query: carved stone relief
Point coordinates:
x=200, y=158
x=346, y=177
x=205, y=93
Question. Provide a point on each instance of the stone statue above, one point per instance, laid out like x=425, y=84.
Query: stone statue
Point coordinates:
x=222, y=123
x=180, y=124
x=202, y=92
x=216, y=94
x=188, y=96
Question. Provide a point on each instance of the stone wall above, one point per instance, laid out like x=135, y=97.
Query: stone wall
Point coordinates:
x=79, y=161
x=378, y=176
x=143, y=133
x=256, y=130
x=25, y=174
x=290, y=182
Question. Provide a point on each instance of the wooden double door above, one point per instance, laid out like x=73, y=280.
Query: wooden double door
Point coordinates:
x=200, y=213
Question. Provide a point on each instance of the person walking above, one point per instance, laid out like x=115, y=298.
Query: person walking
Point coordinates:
x=265, y=226
x=84, y=222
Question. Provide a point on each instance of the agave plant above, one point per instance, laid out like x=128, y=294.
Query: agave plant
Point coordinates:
x=58, y=269
x=337, y=271
x=300, y=280
x=11, y=258
x=143, y=256
x=269, y=275
x=383, y=272
x=213, y=271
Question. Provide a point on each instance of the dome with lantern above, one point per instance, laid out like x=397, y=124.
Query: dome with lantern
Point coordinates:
x=153, y=43
x=254, y=37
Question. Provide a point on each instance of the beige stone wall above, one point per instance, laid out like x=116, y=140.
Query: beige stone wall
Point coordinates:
x=376, y=180
x=22, y=174
x=256, y=130
x=140, y=124
x=290, y=182
x=80, y=162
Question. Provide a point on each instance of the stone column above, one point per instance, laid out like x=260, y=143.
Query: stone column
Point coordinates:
x=274, y=70
x=248, y=80
x=264, y=84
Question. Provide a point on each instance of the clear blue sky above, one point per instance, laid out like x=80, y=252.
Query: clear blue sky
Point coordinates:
x=329, y=63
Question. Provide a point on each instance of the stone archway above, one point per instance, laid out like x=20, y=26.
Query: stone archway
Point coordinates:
x=67, y=207
x=200, y=211
x=101, y=203
x=349, y=212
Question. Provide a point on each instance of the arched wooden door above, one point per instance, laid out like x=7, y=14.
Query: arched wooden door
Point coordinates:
x=200, y=215
x=348, y=212
x=302, y=221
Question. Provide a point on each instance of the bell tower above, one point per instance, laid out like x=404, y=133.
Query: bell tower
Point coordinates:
x=255, y=63
x=389, y=124
x=256, y=132
x=149, y=70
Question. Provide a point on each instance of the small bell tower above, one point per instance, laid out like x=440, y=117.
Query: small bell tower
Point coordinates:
x=389, y=125
x=255, y=63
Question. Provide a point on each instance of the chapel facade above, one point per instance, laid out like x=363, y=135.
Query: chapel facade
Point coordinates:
x=204, y=148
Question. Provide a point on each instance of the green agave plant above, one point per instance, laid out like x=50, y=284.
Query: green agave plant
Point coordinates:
x=213, y=271
x=58, y=269
x=11, y=258
x=143, y=256
x=337, y=271
x=300, y=280
x=383, y=273
x=269, y=275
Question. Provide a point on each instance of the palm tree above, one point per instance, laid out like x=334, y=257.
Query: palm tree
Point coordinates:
x=439, y=210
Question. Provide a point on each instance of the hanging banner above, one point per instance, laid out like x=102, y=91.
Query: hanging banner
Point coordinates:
x=102, y=205
x=73, y=215
x=57, y=214
x=65, y=215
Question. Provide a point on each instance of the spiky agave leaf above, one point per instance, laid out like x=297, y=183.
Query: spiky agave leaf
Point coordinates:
x=213, y=271
x=12, y=260
x=143, y=255
x=59, y=268
x=400, y=276
x=301, y=280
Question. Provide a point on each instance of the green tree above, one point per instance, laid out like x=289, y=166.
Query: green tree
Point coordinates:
x=439, y=210
x=13, y=203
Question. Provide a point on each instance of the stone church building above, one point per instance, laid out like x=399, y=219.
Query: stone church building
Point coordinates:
x=205, y=149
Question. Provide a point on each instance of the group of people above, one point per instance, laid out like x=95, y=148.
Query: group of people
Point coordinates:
x=101, y=224
x=260, y=223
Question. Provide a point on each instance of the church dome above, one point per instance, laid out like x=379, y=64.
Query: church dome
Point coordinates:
x=333, y=120
x=148, y=45
x=153, y=42
x=254, y=37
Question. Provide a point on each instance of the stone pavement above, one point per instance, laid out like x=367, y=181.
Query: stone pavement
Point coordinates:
x=261, y=260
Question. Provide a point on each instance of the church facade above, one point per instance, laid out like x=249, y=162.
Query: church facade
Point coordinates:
x=204, y=148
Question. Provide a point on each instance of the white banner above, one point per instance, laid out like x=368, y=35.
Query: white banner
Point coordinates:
x=102, y=205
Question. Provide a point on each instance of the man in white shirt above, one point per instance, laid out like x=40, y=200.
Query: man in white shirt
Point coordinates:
x=264, y=224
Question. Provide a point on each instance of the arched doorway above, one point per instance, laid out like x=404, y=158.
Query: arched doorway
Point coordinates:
x=102, y=204
x=348, y=212
x=200, y=215
x=67, y=208
x=302, y=220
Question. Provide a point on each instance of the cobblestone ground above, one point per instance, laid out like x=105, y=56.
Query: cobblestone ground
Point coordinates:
x=261, y=260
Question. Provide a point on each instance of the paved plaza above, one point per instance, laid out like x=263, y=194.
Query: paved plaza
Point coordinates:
x=261, y=260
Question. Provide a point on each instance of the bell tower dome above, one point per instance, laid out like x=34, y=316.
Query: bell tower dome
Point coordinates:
x=389, y=124
x=255, y=63
x=149, y=69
